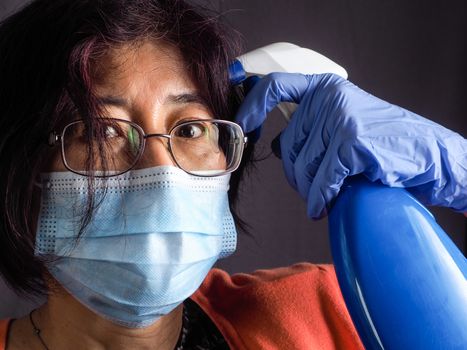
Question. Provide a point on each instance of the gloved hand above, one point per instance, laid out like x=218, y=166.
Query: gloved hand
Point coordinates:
x=339, y=130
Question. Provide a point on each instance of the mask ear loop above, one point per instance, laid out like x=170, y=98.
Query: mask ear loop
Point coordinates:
x=52, y=139
x=40, y=184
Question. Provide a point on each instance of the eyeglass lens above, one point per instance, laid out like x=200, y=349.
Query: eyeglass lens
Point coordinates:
x=202, y=147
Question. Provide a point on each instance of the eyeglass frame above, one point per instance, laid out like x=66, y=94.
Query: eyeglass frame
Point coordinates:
x=55, y=137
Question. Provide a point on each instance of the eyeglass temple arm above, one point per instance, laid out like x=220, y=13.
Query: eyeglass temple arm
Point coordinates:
x=53, y=138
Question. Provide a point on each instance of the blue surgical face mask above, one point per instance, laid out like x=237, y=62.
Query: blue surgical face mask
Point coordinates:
x=150, y=243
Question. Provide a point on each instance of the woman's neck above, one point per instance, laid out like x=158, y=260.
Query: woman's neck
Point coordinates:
x=64, y=323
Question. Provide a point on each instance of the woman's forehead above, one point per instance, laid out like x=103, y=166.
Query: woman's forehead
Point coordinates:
x=152, y=60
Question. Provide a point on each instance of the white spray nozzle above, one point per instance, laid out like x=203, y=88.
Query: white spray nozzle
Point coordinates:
x=287, y=58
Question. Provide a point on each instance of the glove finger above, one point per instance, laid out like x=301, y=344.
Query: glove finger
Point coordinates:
x=326, y=185
x=266, y=94
x=348, y=158
x=308, y=134
x=306, y=164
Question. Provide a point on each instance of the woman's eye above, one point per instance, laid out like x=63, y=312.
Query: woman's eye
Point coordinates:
x=191, y=131
x=110, y=132
x=102, y=132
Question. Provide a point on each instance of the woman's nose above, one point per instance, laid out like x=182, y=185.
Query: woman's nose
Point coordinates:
x=156, y=153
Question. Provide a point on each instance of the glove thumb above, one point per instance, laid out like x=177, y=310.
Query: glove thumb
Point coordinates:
x=267, y=94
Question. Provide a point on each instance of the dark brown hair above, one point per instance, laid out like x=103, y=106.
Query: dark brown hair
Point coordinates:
x=46, y=55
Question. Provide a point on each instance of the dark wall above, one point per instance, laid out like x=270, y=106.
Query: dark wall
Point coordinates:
x=410, y=53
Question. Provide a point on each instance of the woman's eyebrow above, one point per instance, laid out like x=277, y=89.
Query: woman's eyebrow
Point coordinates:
x=172, y=98
x=113, y=101
x=186, y=98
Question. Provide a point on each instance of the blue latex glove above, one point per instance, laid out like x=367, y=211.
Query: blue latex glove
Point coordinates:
x=339, y=130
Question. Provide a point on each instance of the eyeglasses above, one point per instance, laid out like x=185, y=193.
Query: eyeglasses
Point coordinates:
x=202, y=147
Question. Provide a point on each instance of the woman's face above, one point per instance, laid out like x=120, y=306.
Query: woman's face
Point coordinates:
x=149, y=85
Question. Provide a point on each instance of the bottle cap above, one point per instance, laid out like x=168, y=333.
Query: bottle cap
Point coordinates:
x=236, y=73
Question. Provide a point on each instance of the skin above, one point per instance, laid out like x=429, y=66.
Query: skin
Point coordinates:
x=149, y=85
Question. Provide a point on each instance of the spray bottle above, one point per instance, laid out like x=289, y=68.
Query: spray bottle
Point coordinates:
x=403, y=280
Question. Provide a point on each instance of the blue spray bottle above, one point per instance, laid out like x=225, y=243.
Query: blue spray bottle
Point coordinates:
x=402, y=278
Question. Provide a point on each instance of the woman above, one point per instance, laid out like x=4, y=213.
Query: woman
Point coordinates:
x=116, y=155
x=99, y=77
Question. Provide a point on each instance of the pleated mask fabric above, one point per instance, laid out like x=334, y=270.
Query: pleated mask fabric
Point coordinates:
x=153, y=236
